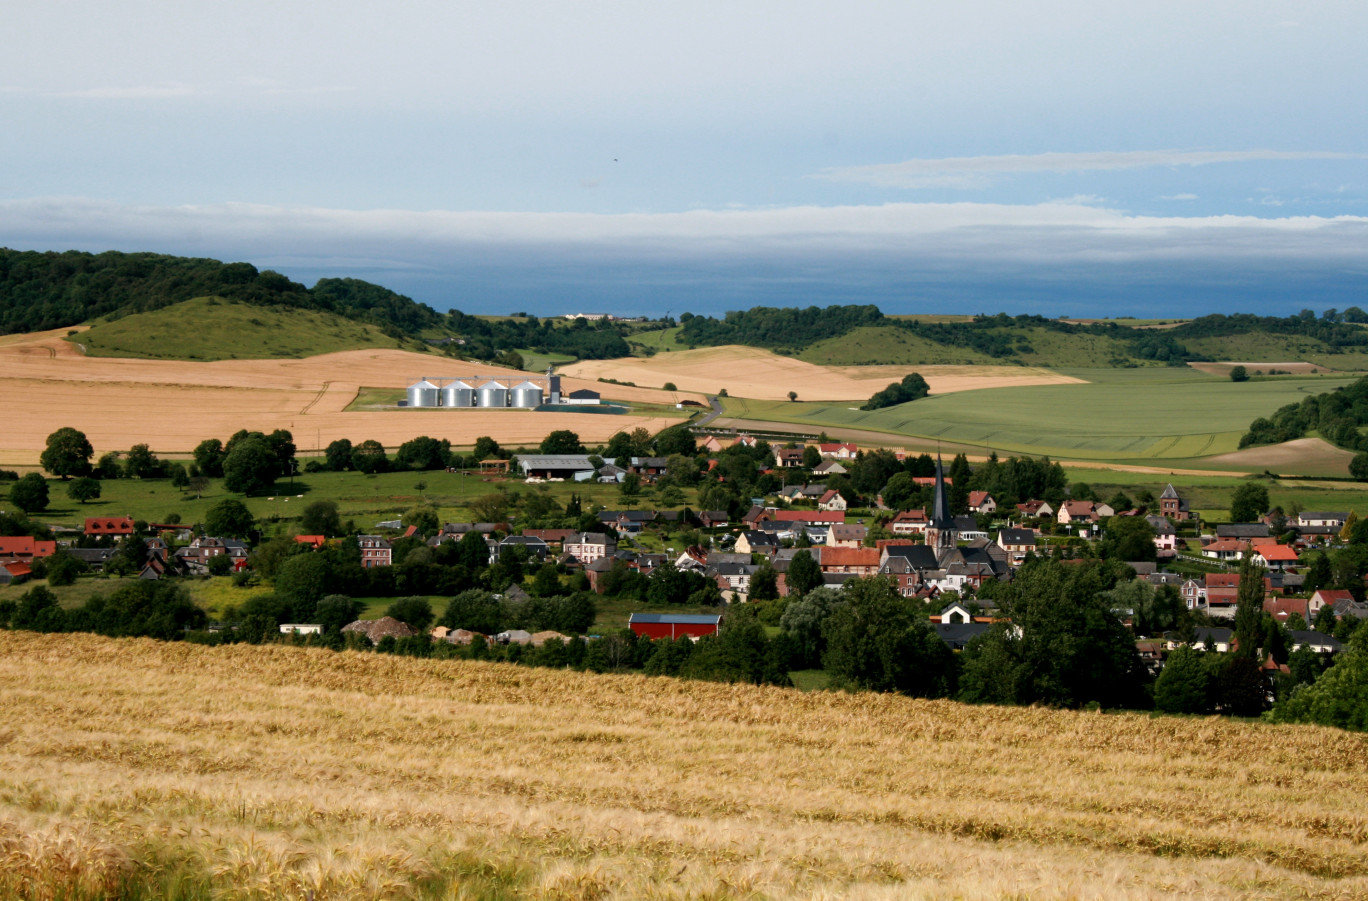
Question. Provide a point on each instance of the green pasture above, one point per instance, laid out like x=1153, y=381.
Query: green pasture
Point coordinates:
x=367, y=499
x=537, y=362
x=656, y=339
x=212, y=329
x=1209, y=495
x=1348, y=361
x=1263, y=347
x=1032, y=346
x=876, y=345
x=1132, y=416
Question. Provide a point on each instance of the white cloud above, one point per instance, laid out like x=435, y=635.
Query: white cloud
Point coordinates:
x=1179, y=197
x=978, y=171
x=957, y=233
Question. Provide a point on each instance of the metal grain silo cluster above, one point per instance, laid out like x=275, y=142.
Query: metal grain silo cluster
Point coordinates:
x=473, y=393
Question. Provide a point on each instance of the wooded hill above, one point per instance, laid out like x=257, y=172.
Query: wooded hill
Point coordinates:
x=47, y=290
x=1004, y=338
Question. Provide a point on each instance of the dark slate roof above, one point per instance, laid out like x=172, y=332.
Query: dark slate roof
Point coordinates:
x=92, y=554
x=679, y=619
x=919, y=556
x=957, y=635
x=1160, y=524
x=1303, y=636
x=1017, y=536
x=754, y=537
x=628, y=515
x=1242, y=530
x=966, y=524
x=733, y=569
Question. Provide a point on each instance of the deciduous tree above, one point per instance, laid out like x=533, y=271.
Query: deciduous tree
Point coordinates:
x=83, y=489
x=229, y=518
x=67, y=454
x=30, y=493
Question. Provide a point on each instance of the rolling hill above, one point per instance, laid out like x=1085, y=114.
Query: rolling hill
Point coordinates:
x=210, y=328
x=214, y=328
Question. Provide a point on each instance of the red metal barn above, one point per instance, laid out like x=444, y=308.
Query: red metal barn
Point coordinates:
x=673, y=625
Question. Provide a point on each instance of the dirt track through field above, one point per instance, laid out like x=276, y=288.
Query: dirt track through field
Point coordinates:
x=760, y=374
x=173, y=405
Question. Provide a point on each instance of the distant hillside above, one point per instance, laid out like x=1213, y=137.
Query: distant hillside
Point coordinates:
x=47, y=290
x=216, y=329
x=863, y=334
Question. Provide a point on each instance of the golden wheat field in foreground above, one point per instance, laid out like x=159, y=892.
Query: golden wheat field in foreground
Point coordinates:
x=130, y=768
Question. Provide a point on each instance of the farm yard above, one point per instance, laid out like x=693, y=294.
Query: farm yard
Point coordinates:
x=140, y=768
x=173, y=405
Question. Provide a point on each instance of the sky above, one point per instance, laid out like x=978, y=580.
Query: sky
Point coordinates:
x=1064, y=158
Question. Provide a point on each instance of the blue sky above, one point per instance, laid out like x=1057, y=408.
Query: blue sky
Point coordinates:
x=1044, y=157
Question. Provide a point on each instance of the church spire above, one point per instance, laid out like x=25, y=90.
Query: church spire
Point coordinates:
x=940, y=510
x=940, y=534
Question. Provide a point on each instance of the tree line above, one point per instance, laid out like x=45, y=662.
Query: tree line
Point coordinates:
x=1001, y=336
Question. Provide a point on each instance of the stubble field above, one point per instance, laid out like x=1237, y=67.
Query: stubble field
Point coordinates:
x=136, y=769
x=756, y=373
x=173, y=405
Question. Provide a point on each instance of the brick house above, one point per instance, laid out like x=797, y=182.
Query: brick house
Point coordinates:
x=375, y=551
x=1172, y=506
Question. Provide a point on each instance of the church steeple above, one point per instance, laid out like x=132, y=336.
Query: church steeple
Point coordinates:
x=941, y=532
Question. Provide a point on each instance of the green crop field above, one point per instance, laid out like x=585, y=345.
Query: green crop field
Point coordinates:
x=212, y=329
x=1131, y=416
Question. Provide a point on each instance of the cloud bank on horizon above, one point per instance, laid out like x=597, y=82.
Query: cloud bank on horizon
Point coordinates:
x=737, y=153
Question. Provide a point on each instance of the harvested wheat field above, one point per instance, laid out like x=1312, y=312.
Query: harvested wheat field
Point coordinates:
x=1314, y=456
x=138, y=769
x=173, y=405
x=756, y=373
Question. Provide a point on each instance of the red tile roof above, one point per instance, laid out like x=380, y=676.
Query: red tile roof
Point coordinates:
x=1277, y=553
x=109, y=525
x=26, y=546
x=850, y=556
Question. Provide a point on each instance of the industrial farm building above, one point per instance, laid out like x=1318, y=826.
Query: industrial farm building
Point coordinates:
x=484, y=392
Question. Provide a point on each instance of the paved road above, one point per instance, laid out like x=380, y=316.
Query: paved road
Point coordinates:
x=713, y=414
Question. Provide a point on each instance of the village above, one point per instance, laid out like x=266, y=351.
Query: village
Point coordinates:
x=950, y=559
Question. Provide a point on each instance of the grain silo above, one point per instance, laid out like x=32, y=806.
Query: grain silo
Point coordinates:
x=528, y=394
x=458, y=394
x=493, y=394
x=424, y=394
